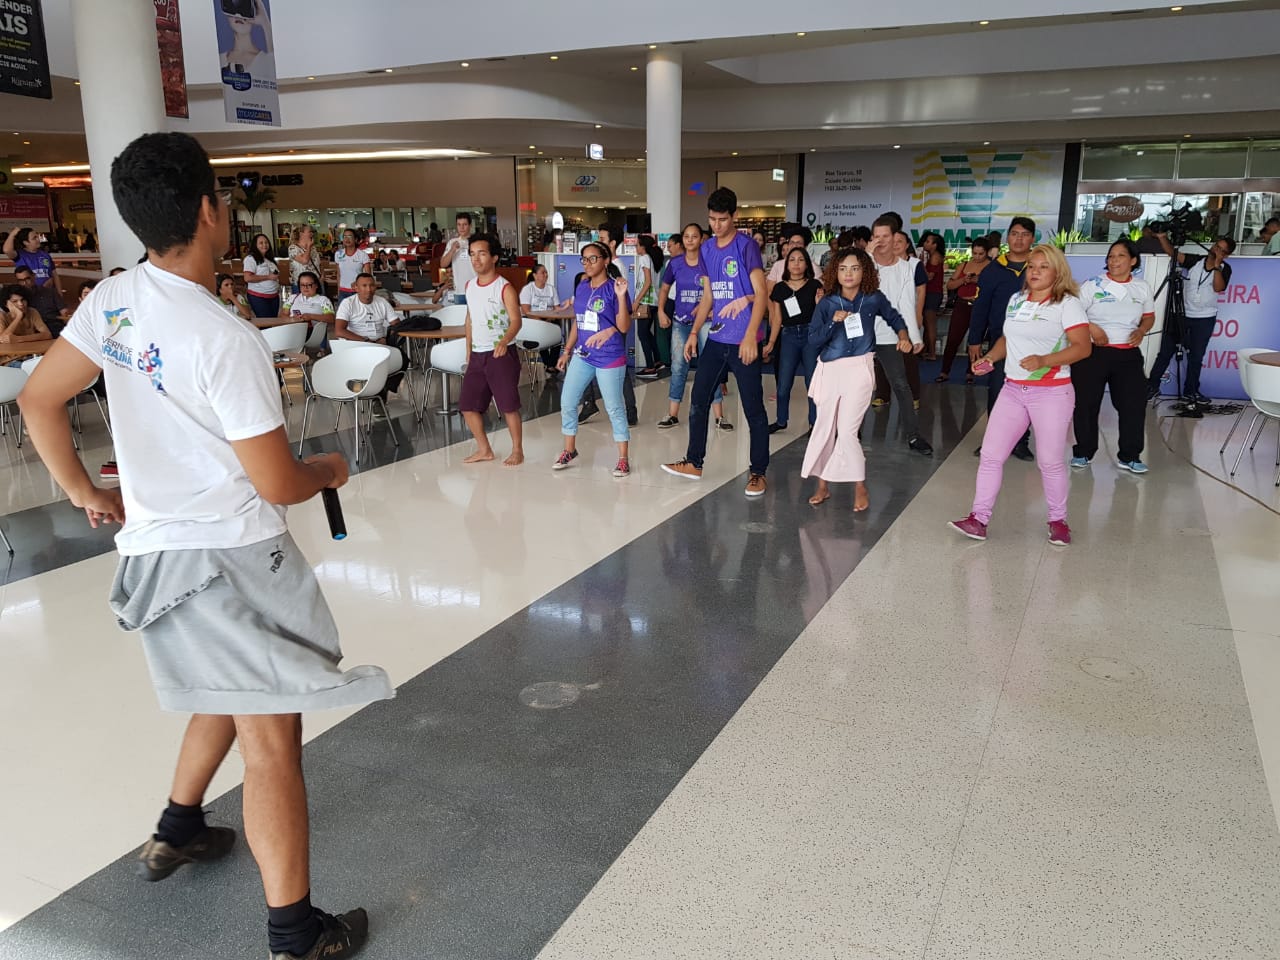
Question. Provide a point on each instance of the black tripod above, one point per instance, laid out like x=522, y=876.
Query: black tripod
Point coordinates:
x=1175, y=323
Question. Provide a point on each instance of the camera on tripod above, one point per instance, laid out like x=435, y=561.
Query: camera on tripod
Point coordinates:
x=1182, y=221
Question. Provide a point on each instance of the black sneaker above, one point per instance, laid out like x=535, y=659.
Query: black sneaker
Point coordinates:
x=633, y=420
x=978, y=452
x=920, y=445
x=588, y=411
x=647, y=375
x=1023, y=452
x=666, y=423
x=777, y=427
x=158, y=858
x=340, y=936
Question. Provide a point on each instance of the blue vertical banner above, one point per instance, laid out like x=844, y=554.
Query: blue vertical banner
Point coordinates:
x=24, y=58
x=246, y=53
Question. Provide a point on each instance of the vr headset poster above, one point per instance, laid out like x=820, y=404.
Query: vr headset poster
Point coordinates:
x=246, y=52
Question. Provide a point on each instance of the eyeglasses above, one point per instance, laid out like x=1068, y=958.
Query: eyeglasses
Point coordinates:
x=222, y=195
x=592, y=259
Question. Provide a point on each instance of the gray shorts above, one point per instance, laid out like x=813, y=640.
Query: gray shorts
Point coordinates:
x=243, y=630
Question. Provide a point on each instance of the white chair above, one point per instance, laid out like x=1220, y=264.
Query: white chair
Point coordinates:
x=1243, y=364
x=288, y=338
x=447, y=359
x=404, y=300
x=454, y=315
x=316, y=339
x=354, y=376
x=536, y=336
x=1263, y=387
x=73, y=411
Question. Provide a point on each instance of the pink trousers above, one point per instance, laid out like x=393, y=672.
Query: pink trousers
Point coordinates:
x=842, y=390
x=1048, y=411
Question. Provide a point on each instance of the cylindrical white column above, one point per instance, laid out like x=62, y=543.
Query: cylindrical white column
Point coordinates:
x=664, y=90
x=118, y=62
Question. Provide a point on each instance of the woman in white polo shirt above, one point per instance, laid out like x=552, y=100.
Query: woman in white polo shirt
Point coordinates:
x=351, y=261
x=263, y=277
x=1121, y=310
x=1045, y=332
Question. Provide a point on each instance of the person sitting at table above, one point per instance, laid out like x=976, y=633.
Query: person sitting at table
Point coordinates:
x=368, y=318
x=85, y=289
x=43, y=299
x=393, y=261
x=444, y=292
x=235, y=303
x=309, y=303
x=20, y=323
x=539, y=296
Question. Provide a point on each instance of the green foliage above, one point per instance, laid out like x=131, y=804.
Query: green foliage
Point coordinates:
x=1064, y=237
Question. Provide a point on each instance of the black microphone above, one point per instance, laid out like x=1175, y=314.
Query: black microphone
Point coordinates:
x=333, y=510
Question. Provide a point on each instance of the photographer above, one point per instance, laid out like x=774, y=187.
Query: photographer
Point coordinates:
x=1207, y=276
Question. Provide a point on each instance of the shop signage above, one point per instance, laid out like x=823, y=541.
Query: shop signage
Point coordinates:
x=595, y=151
x=24, y=59
x=246, y=53
x=251, y=179
x=18, y=211
x=1123, y=209
x=173, y=72
x=779, y=175
x=958, y=193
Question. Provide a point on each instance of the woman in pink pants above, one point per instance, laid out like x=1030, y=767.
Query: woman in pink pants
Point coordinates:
x=1045, y=331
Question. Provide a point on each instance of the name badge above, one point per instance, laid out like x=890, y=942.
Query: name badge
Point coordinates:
x=792, y=306
x=591, y=322
x=853, y=325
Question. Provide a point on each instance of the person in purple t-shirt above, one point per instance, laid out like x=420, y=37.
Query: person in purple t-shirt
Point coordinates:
x=735, y=311
x=23, y=248
x=601, y=318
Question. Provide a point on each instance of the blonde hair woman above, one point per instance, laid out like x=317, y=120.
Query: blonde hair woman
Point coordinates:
x=1045, y=331
x=303, y=255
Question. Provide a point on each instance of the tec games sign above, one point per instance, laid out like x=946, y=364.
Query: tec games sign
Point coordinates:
x=251, y=180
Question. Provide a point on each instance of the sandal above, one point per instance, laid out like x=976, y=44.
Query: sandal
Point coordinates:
x=942, y=378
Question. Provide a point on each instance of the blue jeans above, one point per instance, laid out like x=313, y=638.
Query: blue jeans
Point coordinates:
x=794, y=355
x=716, y=360
x=680, y=366
x=577, y=377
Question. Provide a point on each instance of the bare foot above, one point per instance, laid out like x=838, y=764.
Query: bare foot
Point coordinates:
x=516, y=458
x=480, y=456
x=819, y=498
x=860, y=499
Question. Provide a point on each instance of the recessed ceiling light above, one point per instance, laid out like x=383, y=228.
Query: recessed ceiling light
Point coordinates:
x=389, y=70
x=813, y=149
x=539, y=153
x=77, y=83
x=310, y=78
x=26, y=143
x=897, y=146
x=634, y=69
x=983, y=23
x=734, y=154
x=986, y=143
x=800, y=34
x=553, y=57
x=1140, y=152
x=599, y=126
x=532, y=147
x=653, y=46
x=1186, y=136
x=1175, y=9
x=464, y=64
x=639, y=159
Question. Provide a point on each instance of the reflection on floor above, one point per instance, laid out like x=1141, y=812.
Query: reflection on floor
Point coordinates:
x=651, y=718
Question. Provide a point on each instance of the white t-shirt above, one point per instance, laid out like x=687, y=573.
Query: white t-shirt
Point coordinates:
x=370, y=320
x=349, y=267
x=538, y=301
x=645, y=262
x=1117, y=307
x=1031, y=328
x=898, y=284
x=299, y=304
x=269, y=285
x=185, y=378
x=463, y=272
x=488, y=314
x=1199, y=299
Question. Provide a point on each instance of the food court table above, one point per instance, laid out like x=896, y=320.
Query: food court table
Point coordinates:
x=24, y=348
x=420, y=342
x=424, y=306
x=1267, y=359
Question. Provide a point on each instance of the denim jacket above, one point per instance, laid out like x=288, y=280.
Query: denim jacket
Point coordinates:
x=832, y=339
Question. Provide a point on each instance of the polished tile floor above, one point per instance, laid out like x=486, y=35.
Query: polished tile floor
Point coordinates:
x=651, y=718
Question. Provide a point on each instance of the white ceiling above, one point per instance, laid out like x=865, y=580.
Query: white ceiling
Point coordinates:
x=1068, y=70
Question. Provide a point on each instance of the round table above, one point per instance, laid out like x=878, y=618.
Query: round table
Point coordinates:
x=25, y=347
x=1267, y=359
x=420, y=342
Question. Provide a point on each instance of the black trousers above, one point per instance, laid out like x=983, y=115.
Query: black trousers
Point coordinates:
x=1198, y=334
x=1121, y=371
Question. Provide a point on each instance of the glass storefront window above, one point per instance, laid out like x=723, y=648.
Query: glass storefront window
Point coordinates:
x=1141, y=161
x=1212, y=161
x=1264, y=159
x=1097, y=228
x=1258, y=209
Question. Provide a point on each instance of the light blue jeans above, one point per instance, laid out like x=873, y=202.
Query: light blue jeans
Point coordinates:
x=680, y=366
x=577, y=377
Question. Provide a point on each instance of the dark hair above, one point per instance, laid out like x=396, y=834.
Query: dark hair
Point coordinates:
x=490, y=241
x=870, y=276
x=653, y=249
x=14, y=290
x=896, y=218
x=22, y=268
x=464, y=215
x=533, y=272
x=862, y=233
x=578, y=279
x=116, y=270
x=845, y=239
x=688, y=225
x=797, y=230
x=939, y=244
x=1025, y=222
x=983, y=242
x=885, y=221
x=220, y=279
x=1130, y=248
x=87, y=285
x=20, y=239
x=253, y=246
x=366, y=276
x=309, y=273
x=1272, y=222
x=1231, y=244
x=602, y=247
x=911, y=246
x=808, y=264
x=159, y=183
x=722, y=200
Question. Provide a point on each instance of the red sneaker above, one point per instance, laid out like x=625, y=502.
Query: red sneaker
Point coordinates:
x=970, y=526
x=1059, y=533
x=109, y=471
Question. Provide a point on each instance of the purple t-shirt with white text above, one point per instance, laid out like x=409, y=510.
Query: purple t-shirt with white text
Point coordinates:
x=40, y=263
x=603, y=302
x=729, y=268
x=686, y=287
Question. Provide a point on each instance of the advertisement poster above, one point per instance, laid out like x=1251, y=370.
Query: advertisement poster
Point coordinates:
x=246, y=53
x=24, y=60
x=959, y=193
x=1247, y=317
x=173, y=72
x=18, y=211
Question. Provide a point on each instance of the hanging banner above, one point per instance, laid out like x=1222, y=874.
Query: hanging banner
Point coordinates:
x=24, y=60
x=247, y=56
x=173, y=72
x=959, y=193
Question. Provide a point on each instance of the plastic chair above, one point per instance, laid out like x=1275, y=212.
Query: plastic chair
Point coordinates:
x=1263, y=387
x=354, y=376
x=1243, y=364
x=454, y=315
x=404, y=300
x=315, y=339
x=447, y=359
x=536, y=336
x=73, y=411
x=288, y=338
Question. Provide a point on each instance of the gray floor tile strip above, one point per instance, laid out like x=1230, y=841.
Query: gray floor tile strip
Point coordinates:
x=474, y=812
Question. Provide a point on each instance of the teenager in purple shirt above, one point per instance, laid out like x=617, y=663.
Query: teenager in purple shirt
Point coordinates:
x=23, y=248
x=735, y=311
